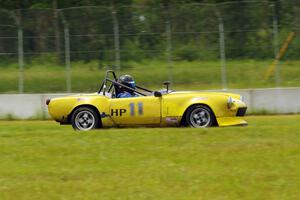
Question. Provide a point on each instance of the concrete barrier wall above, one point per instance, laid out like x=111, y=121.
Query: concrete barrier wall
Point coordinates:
x=277, y=100
x=25, y=106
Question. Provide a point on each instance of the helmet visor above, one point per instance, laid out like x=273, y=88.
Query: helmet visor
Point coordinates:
x=131, y=84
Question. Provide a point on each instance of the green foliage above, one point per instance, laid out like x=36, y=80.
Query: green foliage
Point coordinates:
x=142, y=28
x=9, y=117
x=187, y=75
x=43, y=60
x=132, y=52
x=187, y=52
x=40, y=5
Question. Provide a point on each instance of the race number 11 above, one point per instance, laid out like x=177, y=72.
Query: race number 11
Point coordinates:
x=140, y=108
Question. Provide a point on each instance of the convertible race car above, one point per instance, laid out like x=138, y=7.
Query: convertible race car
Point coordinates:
x=147, y=108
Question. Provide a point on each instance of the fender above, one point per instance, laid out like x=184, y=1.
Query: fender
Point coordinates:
x=61, y=108
x=174, y=106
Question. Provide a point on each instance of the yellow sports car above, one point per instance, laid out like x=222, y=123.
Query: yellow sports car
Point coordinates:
x=143, y=107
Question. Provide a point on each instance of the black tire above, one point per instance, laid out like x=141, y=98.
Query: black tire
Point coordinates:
x=200, y=116
x=85, y=119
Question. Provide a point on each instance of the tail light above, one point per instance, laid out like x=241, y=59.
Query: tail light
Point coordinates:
x=48, y=101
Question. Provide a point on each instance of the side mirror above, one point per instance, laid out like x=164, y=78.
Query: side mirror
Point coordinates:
x=157, y=94
x=167, y=83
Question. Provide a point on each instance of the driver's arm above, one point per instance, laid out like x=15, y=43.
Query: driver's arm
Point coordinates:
x=124, y=95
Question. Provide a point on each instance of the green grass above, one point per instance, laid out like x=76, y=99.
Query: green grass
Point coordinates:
x=196, y=75
x=42, y=160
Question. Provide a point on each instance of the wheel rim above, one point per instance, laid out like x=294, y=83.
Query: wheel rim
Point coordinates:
x=200, y=117
x=85, y=120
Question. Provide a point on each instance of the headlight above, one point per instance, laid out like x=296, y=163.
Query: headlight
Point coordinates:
x=242, y=98
x=229, y=102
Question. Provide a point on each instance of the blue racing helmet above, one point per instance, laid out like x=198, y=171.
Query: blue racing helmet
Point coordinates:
x=128, y=81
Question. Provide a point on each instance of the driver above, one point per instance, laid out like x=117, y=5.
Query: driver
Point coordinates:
x=129, y=82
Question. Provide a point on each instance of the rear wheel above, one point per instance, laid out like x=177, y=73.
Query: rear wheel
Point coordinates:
x=85, y=119
x=200, y=116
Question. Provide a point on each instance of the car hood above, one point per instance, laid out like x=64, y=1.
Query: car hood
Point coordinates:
x=227, y=94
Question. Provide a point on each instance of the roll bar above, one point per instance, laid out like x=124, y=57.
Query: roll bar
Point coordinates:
x=115, y=82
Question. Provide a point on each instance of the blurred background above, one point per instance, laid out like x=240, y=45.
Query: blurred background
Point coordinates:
x=56, y=46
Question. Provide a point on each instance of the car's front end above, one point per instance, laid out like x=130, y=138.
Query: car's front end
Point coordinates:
x=235, y=111
x=228, y=109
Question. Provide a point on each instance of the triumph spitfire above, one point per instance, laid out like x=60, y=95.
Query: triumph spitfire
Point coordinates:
x=148, y=108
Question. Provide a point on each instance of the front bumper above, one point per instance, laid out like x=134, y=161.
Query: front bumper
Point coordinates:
x=231, y=121
x=241, y=112
x=235, y=115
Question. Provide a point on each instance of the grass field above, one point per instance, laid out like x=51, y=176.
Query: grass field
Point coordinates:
x=42, y=160
x=196, y=75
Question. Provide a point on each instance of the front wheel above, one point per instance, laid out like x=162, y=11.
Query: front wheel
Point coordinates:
x=85, y=119
x=200, y=116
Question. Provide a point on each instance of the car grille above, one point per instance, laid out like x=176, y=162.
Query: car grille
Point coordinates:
x=241, y=111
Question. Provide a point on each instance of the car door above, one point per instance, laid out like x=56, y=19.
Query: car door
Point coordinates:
x=143, y=110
